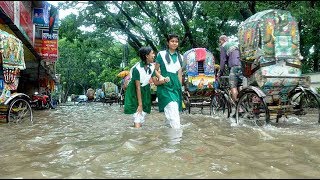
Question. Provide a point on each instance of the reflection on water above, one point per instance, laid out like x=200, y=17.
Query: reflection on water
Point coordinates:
x=98, y=141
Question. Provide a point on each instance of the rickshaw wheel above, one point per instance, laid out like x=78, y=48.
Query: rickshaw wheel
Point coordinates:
x=305, y=103
x=254, y=110
x=19, y=112
x=220, y=105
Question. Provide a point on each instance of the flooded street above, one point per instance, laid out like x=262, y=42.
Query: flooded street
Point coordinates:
x=98, y=141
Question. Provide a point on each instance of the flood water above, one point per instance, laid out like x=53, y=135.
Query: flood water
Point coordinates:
x=98, y=141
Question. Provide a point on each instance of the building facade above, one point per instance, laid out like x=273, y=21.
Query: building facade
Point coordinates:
x=35, y=23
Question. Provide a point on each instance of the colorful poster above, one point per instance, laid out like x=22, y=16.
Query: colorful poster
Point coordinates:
x=39, y=16
x=46, y=16
x=11, y=49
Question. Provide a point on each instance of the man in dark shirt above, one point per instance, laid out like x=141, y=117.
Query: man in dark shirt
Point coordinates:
x=230, y=55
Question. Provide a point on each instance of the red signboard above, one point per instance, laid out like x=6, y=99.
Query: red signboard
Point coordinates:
x=46, y=44
x=8, y=8
x=26, y=20
x=46, y=33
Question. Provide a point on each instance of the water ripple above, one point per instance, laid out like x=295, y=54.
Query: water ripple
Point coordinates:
x=98, y=141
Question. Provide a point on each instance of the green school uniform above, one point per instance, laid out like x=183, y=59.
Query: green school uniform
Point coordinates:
x=170, y=91
x=138, y=72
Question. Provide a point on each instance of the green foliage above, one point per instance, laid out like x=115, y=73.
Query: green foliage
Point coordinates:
x=69, y=28
x=133, y=61
x=87, y=61
x=95, y=57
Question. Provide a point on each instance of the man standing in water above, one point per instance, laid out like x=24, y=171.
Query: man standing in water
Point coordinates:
x=229, y=52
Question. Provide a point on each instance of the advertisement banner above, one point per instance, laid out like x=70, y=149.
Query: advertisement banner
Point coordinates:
x=46, y=44
x=40, y=16
x=8, y=8
x=26, y=21
x=45, y=19
x=46, y=16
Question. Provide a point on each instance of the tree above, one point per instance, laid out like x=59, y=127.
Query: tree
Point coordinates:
x=87, y=59
x=198, y=23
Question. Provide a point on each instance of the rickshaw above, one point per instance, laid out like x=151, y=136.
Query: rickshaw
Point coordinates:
x=199, y=80
x=271, y=62
x=14, y=107
x=111, y=93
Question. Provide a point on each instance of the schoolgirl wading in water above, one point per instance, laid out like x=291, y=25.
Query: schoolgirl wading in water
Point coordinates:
x=138, y=92
x=169, y=64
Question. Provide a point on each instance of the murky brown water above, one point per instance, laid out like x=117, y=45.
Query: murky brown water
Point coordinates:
x=96, y=141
